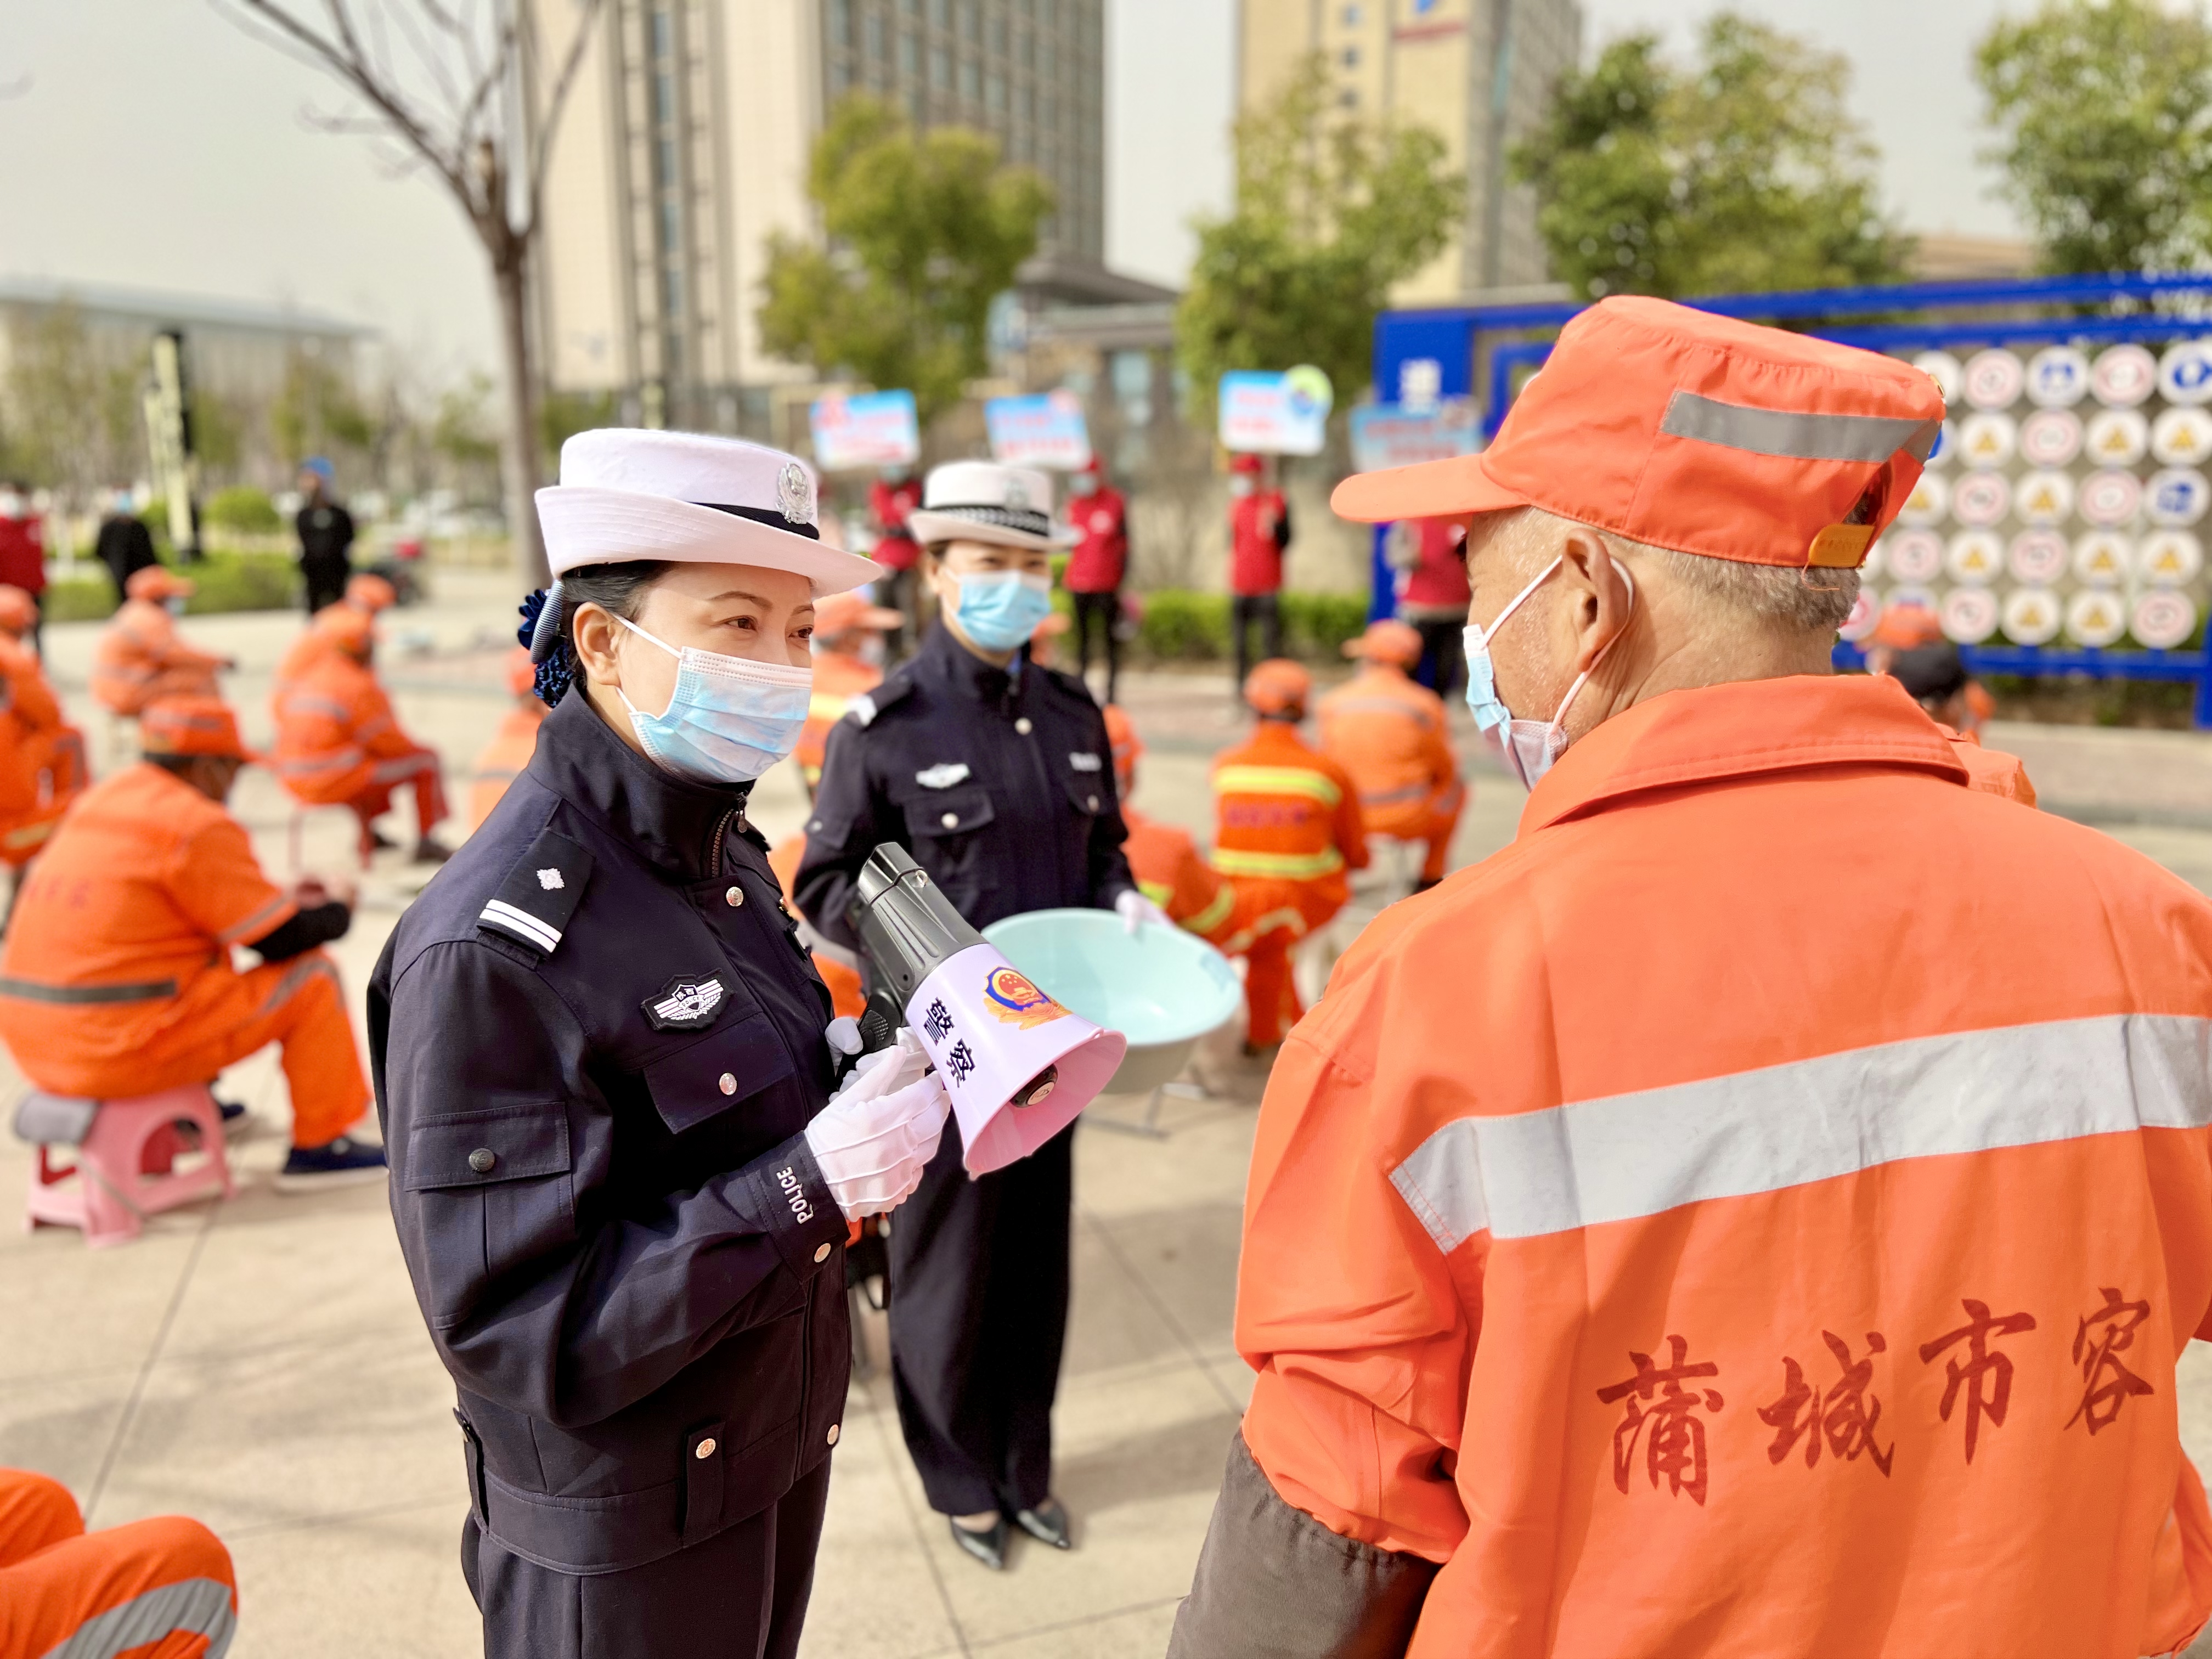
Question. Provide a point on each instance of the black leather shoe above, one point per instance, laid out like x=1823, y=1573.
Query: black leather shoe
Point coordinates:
x=1046, y=1523
x=988, y=1547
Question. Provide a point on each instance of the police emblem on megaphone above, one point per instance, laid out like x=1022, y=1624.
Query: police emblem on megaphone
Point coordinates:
x=1018, y=1065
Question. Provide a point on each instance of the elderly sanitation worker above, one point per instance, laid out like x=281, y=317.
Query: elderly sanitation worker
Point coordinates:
x=158, y=1588
x=1169, y=868
x=368, y=594
x=848, y=659
x=42, y=768
x=1388, y=733
x=141, y=657
x=1657, y=1244
x=117, y=978
x=623, y=1174
x=338, y=740
x=503, y=759
x=1287, y=826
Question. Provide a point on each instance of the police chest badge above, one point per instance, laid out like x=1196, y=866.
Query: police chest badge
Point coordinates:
x=687, y=1003
x=794, y=495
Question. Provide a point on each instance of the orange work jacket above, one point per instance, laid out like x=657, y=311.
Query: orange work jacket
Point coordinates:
x=838, y=678
x=1286, y=816
x=140, y=893
x=1733, y=1221
x=503, y=758
x=41, y=755
x=334, y=723
x=1389, y=735
x=833, y=962
x=1169, y=869
x=140, y=656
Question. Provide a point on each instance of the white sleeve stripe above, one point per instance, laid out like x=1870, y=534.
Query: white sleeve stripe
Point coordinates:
x=500, y=914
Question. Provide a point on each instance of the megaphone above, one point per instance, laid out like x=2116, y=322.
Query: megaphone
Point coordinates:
x=1018, y=1065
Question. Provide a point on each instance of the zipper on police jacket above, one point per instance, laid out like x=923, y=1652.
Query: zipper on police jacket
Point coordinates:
x=721, y=833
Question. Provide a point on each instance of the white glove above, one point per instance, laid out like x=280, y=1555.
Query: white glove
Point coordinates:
x=1135, y=909
x=873, y=1139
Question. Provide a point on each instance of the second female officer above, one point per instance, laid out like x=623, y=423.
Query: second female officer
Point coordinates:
x=602, y=1068
x=996, y=775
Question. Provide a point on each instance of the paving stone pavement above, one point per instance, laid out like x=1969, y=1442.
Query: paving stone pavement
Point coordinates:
x=261, y=1363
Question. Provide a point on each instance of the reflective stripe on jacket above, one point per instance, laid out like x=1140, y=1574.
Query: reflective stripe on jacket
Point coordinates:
x=1757, y=1213
x=1389, y=735
x=1284, y=811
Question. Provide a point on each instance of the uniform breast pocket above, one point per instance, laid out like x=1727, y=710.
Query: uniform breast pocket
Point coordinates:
x=1086, y=794
x=952, y=833
x=484, y=1192
x=724, y=1069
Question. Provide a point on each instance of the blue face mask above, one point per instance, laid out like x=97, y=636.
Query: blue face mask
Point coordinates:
x=1001, y=609
x=729, y=718
x=1528, y=748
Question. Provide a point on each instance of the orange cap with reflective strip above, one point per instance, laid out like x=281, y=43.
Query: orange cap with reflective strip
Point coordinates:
x=371, y=592
x=1386, y=642
x=190, y=725
x=1676, y=427
x=157, y=582
x=344, y=627
x=1277, y=686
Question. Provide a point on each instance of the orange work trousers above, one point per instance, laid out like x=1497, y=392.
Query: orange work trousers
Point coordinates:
x=1431, y=821
x=1272, y=916
x=220, y=1018
x=154, y=1589
x=424, y=770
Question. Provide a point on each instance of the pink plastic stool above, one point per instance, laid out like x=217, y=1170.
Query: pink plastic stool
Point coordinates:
x=125, y=1170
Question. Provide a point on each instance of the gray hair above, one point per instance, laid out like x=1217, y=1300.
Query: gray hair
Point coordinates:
x=1798, y=598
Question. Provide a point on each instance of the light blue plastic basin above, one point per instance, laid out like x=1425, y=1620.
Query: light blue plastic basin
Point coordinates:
x=1161, y=988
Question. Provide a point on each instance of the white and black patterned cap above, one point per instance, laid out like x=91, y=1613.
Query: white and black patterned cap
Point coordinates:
x=986, y=502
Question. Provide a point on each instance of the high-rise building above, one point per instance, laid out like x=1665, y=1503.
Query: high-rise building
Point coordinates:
x=1476, y=72
x=685, y=145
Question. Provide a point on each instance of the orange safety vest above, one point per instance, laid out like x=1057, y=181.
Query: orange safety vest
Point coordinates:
x=333, y=724
x=1166, y=865
x=140, y=657
x=504, y=757
x=1389, y=735
x=1284, y=812
x=42, y=765
x=1756, y=1214
x=838, y=678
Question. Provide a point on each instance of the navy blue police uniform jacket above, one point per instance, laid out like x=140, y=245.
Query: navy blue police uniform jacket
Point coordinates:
x=999, y=782
x=596, y=1042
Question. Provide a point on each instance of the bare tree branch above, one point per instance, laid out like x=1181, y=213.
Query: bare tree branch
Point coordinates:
x=548, y=120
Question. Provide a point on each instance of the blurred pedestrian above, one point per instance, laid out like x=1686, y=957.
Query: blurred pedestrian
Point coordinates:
x=326, y=536
x=368, y=592
x=1429, y=558
x=502, y=760
x=894, y=495
x=42, y=764
x=23, y=550
x=1096, y=568
x=848, y=659
x=125, y=545
x=141, y=657
x=1258, y=538
x=1389, y=734
x=1165, y=861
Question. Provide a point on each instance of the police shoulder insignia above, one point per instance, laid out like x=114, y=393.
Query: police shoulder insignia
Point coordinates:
x=687, y=1003
x=540, y=894
x=863, y=709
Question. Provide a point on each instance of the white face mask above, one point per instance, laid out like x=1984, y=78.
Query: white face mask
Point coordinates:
x=729, y=718
x=1528, y=748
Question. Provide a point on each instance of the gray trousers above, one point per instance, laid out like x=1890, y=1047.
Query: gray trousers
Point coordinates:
x=740, y=1594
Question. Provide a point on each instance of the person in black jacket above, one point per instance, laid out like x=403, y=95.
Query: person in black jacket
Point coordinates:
x=326, y=533
x=125, y=545
x=602, y=1059
x=996, y=775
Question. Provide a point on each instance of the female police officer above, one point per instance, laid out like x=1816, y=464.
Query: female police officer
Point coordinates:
x=601, y=1065
x=996, y=775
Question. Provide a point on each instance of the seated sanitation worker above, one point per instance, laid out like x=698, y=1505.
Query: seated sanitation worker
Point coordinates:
x=1286, y=828
x=141, y=657
x=158, y=1588
x=368, y=592
x=42, y=766
x=1169, y=868
x=1388, y=733
x=338, y=741
x=1725, y=1222
x=848, y=659
x=502, y=760
x=117, y=979
x=840, y=967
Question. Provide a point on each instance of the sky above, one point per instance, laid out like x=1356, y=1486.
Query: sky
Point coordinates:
x=157, y=147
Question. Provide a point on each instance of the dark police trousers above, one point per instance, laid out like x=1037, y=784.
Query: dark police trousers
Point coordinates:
x=740, y=1594
x=979, y=1316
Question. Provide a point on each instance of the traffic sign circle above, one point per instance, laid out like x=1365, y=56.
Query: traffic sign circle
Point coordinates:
x=2050, y=437
x=2116, y=437
x=2182, y=437
x=2123, y=376
x=2170, y=558
x=2032, y=615
x=1943, y=369
x=1981, y=499
x=2057, y=377
x=2110, y=498
x=2185, y=374
x=2102, y=559
x=1974, y=556
x=2163, y=618
x=1993, y=378
x=1987, y=440
x=2096, y=617
x=2176, y=497
x=1913, y=555
x=1969, y=614
x=1930, y=501
x=2044, y=498
x=2038, y=556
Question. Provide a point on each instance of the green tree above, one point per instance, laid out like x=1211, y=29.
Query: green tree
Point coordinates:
x=2105, y=117
x=925, y=230
x=1740, y=171
x=71, y=407
x=1331, y=212
x=562, y=414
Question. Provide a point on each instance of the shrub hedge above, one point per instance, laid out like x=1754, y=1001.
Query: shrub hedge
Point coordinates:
x=225, y=581
x=1182, y=626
